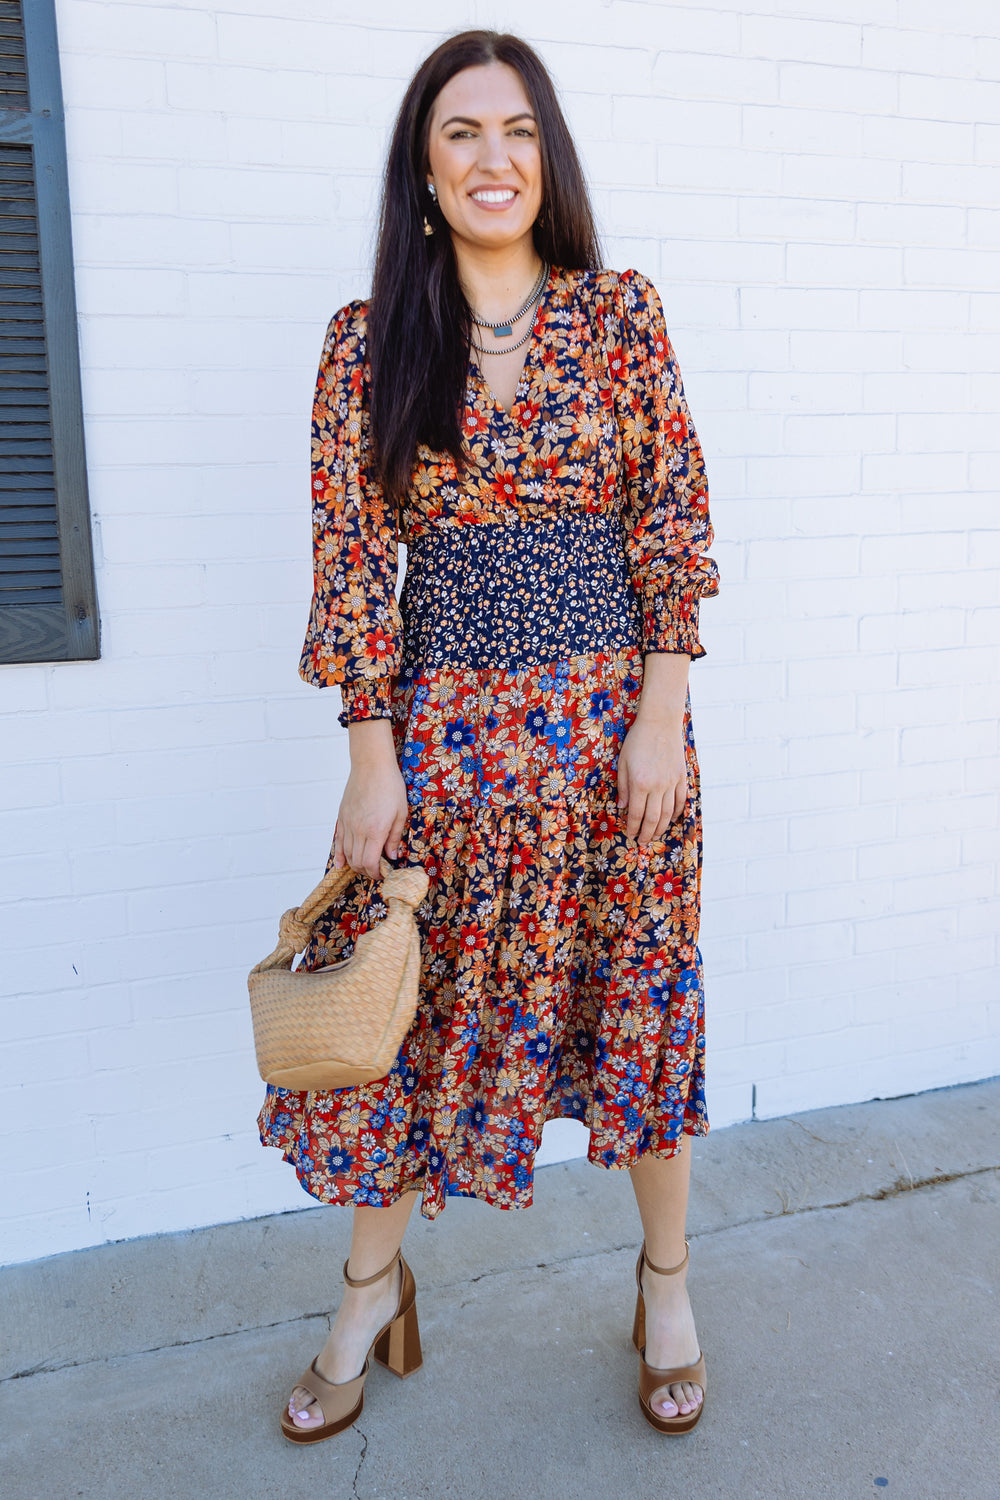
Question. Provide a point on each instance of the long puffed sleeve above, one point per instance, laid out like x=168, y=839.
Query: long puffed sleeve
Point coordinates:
x=354, y=637
x=665, y=515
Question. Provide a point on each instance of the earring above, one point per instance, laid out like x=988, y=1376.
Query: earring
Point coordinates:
x=428, y=228
x=432, y=190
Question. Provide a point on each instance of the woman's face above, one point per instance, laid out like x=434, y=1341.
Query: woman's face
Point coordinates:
x=485, y=159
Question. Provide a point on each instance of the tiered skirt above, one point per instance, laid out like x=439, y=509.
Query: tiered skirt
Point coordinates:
x=560, y=972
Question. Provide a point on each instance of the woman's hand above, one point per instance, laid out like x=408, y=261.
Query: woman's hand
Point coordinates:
x=652, y=770
x=373, y=809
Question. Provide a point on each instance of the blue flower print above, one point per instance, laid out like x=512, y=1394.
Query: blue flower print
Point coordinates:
x=339, y=1160
x=410, y=759
x=558, y=732
x=538, y=1048
x=601, y=703
x=458, y=733
x=680, y=1031
x=567, y=755
x=659, y=994
x=555, y=678
x=536, y=722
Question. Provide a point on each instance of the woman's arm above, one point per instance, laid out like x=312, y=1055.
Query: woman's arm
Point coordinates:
x=354, y=637
x=667, y=533
x=652, y=772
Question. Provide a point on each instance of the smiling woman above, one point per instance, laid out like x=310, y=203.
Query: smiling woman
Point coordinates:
x=519, y=722
x=486, y=177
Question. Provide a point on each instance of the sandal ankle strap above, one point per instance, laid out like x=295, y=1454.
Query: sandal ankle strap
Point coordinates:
x=667, y=1270
x=370, y=1280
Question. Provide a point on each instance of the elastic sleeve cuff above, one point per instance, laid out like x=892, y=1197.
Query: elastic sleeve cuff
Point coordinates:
x=369, y=698
x=670, y=623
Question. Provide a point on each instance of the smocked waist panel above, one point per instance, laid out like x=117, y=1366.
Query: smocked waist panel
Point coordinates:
x=519, y=595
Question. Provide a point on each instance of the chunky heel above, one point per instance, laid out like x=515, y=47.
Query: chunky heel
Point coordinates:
x=396, y=1345
x=398, y=1348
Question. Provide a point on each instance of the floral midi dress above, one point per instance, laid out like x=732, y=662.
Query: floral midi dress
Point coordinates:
x=560, y=972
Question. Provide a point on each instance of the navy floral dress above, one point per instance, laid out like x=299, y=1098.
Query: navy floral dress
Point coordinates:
x=560, y=970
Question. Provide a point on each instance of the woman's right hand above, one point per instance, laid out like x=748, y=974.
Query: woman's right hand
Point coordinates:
x=373, y=809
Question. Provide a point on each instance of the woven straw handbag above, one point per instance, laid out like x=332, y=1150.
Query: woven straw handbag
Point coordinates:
x=343, y=1025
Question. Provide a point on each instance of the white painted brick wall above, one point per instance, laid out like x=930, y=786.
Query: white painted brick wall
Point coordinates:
x=814, y=185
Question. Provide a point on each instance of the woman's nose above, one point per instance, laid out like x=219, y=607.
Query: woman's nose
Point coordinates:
x=493, y=155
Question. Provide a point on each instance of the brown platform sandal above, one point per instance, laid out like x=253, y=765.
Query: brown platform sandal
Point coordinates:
x=396, y=1345
x=651, y=1379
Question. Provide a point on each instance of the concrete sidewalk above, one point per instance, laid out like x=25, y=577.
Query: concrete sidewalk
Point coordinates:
x=844, y=1277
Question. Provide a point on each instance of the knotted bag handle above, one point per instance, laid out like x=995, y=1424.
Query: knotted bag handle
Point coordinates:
x=296, y=925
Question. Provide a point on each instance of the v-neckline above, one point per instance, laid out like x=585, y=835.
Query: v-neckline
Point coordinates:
x=524, y=379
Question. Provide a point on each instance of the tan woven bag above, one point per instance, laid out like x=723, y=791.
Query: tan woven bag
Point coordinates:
x=334, y=1027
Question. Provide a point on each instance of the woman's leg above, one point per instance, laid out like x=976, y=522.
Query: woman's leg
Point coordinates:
x=376, y=1235
x=661, y=1191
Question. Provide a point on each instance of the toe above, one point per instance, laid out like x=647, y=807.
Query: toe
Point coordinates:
x=303, y=1409
x=664, y=1402
x=687, y=1397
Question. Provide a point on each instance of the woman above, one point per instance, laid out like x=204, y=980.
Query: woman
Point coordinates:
x=519, y=724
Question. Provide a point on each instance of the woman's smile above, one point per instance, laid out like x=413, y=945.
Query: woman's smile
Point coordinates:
x=493, y=198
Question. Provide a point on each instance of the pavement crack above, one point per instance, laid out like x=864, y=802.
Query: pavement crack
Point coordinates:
x=364, y=1454
x=205, y=1338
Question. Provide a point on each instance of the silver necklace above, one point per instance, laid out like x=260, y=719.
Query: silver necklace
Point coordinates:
x=509, y=348
x=505, y=328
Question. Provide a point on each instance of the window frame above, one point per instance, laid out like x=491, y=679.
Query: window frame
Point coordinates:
x=68, y=630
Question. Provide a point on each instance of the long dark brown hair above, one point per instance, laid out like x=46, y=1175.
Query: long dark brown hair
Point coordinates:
x=419, y=323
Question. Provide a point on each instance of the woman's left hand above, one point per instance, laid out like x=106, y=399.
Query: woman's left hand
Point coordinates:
x=652, y=770
x=652, y=777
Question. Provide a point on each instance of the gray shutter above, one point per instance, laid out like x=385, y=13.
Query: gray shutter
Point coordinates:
x=48, y=607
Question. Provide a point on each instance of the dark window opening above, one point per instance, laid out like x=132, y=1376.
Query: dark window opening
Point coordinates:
x=48, y=605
